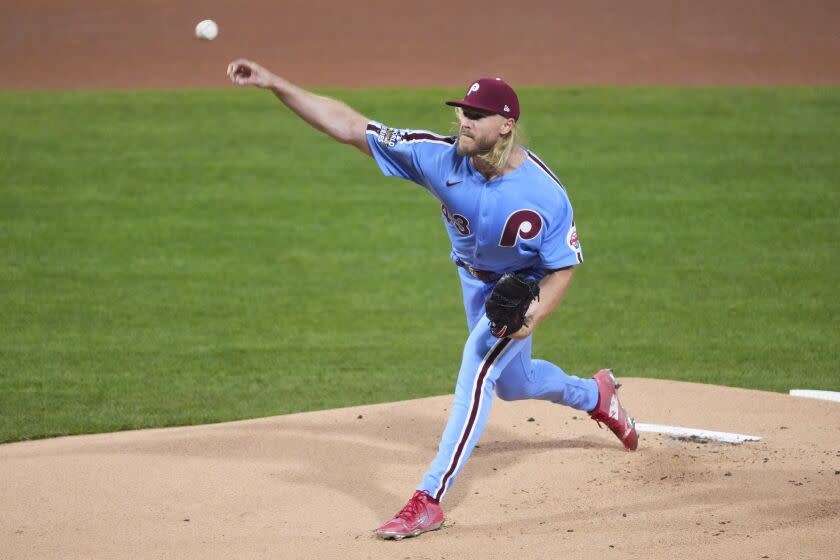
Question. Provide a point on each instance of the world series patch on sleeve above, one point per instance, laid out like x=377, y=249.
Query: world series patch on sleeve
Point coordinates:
x=390, y=136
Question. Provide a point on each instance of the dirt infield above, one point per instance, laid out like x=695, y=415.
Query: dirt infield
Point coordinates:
x=315, y=485
x=150, y=43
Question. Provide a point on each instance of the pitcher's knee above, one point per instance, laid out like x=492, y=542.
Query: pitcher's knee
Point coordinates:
x=510, y=391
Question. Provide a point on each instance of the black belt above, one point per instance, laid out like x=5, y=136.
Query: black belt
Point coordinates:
x=485, y=276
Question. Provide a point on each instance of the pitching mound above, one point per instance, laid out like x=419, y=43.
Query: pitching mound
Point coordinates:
x=544, y=483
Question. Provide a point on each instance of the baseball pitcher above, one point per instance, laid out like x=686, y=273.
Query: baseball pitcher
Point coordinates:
x=514, y=246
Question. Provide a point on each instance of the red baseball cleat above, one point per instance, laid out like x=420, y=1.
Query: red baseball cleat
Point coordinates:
x=610, y=412
x=422, y=513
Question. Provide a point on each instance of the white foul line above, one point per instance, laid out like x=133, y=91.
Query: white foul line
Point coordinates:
x=822, y=395
x=679, y=431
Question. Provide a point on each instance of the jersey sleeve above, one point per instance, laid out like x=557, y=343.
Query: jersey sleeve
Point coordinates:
x=403, y=153
x=561, y=246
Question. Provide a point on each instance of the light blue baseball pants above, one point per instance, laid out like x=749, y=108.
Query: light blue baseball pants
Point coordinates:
x=489, y=364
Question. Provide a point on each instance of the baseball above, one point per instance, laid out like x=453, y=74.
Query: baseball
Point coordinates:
x=206, y=30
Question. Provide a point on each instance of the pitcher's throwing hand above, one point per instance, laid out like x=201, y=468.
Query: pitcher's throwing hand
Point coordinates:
x=246, y=73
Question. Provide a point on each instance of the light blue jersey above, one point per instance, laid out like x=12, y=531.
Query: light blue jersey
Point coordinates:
x=521, y=221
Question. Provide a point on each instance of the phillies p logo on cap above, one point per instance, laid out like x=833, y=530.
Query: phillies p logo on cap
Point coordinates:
x=492, y=95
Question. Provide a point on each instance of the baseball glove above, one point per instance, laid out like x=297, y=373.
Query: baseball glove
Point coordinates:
x=508, y=302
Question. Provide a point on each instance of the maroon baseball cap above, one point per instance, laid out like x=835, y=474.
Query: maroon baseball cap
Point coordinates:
x=490, y=94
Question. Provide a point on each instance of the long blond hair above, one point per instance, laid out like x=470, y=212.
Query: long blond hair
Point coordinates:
x=499, y=154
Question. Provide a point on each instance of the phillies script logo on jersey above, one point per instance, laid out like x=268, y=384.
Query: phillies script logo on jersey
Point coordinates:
x=524, y=224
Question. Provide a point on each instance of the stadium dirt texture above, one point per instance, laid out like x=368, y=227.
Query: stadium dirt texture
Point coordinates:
x=545, y=482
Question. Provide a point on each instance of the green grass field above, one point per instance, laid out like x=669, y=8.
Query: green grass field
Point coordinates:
x=185, y=257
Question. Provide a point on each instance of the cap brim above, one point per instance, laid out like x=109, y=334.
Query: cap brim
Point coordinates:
x=471, y=106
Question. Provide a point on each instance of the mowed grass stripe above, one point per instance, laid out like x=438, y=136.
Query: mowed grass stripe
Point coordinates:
x=195, y=256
